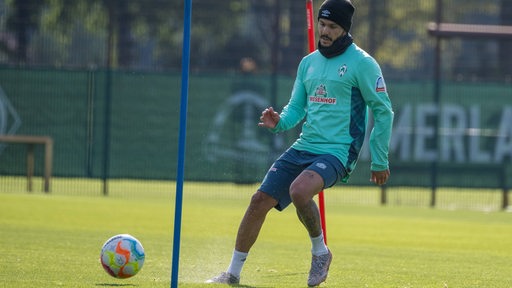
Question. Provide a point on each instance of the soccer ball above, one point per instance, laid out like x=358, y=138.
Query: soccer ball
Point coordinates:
x=122, y=256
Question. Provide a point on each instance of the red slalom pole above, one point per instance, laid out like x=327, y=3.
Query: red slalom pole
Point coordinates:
x=311, y=23
x=311, y=45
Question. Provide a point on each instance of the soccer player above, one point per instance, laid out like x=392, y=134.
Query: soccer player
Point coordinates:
x=334, y=87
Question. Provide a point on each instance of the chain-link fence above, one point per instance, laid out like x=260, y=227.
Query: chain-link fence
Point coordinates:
x=102, y=79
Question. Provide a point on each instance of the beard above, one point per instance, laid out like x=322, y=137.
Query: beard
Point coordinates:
x=337, y=47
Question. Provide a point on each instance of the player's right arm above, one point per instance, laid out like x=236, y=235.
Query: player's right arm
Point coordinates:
x=295, y=110
x=269, y=118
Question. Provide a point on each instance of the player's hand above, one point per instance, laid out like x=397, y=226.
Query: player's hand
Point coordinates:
x=269, y=118
x=380, y=177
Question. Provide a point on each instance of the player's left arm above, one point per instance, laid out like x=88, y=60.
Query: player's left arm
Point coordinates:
x=380, y=177
x=374, y=91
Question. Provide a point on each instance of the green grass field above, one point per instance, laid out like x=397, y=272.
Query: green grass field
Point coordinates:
x=54, y=240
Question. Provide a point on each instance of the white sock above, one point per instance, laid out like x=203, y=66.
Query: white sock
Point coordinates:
x=318, y=246
x=237, y=263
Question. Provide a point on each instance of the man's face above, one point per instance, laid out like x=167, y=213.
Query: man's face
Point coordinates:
x=329, y=31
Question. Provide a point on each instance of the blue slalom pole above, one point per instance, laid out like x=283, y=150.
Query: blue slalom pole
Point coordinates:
x=185, y=61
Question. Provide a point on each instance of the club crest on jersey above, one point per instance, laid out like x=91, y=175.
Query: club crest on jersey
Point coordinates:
x=321, y=96
x=380, y=85
x=342, y=70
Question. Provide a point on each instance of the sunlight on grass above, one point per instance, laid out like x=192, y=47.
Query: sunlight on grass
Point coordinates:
x=446, y=198
x=60, y=234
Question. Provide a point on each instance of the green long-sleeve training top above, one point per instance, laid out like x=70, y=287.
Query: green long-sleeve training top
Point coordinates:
x=334, y=95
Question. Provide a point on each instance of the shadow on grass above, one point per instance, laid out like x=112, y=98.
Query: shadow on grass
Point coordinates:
x=282, y=277
x=274, y=276
x=114, y=285
x=248, y=286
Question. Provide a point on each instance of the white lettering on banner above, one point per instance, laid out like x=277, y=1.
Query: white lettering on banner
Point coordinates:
x=504, y=141
x=402, y=131
x=424, y=133
x=453, y=121
x=461, y=136
x=475, y=154
x=10, y=121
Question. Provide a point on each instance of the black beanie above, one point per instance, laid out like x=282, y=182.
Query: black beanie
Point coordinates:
x=338, y=11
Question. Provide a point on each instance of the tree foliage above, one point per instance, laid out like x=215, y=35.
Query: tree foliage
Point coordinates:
x=148, y=34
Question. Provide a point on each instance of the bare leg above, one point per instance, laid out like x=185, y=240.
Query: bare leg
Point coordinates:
x=303, y=189
x=253, y=220
x=248, y=231
x=310, y=218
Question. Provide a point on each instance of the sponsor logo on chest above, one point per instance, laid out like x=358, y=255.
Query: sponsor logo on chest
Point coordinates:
x=321, y=96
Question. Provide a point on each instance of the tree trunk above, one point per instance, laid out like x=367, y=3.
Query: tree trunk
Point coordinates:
x=22, y=25
x=125, y=43
x=294, y=49
x=505, y=46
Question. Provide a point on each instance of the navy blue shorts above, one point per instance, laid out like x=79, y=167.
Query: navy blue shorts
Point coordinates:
x=290, y=164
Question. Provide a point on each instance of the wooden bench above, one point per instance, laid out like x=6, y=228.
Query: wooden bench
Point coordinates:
x=31, y=141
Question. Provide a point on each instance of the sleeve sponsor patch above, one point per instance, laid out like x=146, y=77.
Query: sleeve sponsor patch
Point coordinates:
x=380, y=85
